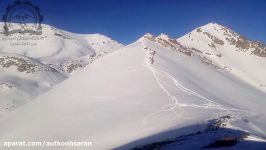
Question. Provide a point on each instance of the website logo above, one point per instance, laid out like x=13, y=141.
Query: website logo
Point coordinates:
x=22, y=17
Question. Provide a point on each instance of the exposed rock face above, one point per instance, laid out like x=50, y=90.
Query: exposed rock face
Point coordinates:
x=73, y=67
x=228, y=32
x=22, y=64
x=186, y=50
x=199, y=30
x=207, y=61
x=242, y=43
x=214, y=38
x=231, y=41
x=232, y=38
x=149, y=36
x=212, y=45
x=166, y=41
x=259, y=49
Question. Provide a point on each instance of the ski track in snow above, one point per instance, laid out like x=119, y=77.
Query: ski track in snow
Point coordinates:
x=208, y=103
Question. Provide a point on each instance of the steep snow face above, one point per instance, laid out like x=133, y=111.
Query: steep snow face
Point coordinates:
x=230, y=51
x=32, y=64
x=145, y=88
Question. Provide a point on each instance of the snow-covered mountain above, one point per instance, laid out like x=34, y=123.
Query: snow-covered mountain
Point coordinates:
x=231, y=51
x=32, y=64
x=199, y=87
x=57, y=47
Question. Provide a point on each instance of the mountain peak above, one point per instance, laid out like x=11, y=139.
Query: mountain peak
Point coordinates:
x=163, y=36
x=213, y=25
x=148, y=35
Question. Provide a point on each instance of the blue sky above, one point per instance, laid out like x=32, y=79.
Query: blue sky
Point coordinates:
x=127, y=20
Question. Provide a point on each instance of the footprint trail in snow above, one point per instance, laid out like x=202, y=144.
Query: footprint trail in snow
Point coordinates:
x=176, y=106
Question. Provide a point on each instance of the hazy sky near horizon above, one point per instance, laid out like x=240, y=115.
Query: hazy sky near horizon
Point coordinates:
x=127, y=20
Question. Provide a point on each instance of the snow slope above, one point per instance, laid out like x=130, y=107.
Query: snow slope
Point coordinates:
x=149, y=87
x=32, y=64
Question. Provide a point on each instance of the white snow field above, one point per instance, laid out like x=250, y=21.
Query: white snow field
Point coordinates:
x=153, y=90
x=31, y=67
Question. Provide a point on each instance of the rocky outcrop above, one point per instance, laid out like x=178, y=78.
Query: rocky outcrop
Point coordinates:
x=259, y=49
x=23, y=65
x=215, y=40
x=242, y=43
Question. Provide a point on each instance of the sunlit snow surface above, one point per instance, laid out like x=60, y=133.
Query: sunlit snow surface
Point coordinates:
x=145, y=89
